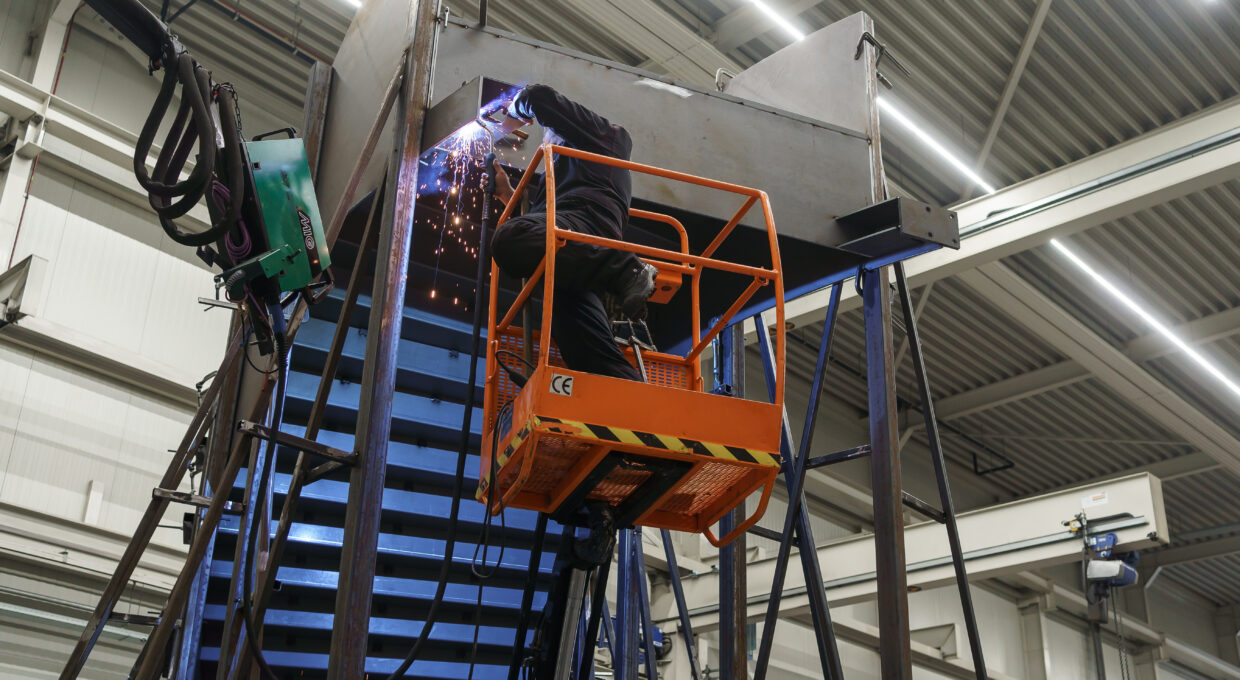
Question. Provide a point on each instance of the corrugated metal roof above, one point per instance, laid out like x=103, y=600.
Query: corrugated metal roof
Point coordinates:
x=1216, y=579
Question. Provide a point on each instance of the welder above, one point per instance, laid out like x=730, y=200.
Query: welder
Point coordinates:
x=590, y=198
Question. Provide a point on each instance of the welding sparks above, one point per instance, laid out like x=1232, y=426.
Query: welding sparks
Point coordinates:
x=450, y=194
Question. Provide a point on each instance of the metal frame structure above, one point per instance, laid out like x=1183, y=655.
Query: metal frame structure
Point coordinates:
x=390, y=233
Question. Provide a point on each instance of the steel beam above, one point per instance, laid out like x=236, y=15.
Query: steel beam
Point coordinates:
x=729, y=363
x=748, y=22
x=672, y=47
x=1031, y=308
x=362, y=518
x=892, y=581
x=1073, y=602
x=1201, y=331
x=997, y=540
x=1215, y=547
x=1013, y=82
x=1190, y=154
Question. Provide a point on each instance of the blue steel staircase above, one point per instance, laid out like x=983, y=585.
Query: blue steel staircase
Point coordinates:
x=426, y=420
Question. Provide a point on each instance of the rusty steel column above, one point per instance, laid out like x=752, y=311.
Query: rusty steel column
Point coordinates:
x=892, y=579
x=361, y=529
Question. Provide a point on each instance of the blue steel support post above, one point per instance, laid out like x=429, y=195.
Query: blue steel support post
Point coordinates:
x=643, y=604
x=828, y=651
x=609, y=629
x=624, y=645
x=729, y=361
x=678, y=589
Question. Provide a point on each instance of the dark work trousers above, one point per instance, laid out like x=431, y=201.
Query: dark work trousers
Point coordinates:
x=579, y=322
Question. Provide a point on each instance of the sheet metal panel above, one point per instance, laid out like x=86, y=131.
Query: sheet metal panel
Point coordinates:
x=814, y=170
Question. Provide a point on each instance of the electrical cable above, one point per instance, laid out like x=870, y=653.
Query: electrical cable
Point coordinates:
x=458, y=486
x=484, y=544
x=192, y=127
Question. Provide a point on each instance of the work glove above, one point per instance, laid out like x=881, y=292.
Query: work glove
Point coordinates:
x=519, y=107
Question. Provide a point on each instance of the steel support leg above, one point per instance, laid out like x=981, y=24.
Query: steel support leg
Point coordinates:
x=940, y=472
x=150, y=519
x=362, y=517
x=527, y=598
x=794, y=478
x=151, y=665
x=730, y=374
x=643, y=604
x=678, y=589
x=624, y=647
x=820, y=612
x=598, y=617
x=892, y=579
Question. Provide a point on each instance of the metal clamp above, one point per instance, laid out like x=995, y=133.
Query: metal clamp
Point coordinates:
x=299, y=443
x=868, y=37
x=193, y=499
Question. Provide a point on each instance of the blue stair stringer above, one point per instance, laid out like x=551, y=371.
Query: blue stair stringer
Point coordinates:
x=426, y=417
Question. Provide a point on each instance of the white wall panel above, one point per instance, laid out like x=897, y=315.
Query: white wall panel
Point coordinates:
x=998, y=622
x=16, y=19
x=110, y=277
x=66, y=436
x=1071, y=657
x=14, y=375
x=1183, y=615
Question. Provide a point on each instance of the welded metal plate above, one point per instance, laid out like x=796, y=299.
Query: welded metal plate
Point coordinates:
x=813, y=170
x=818, y=77
x=895, y=226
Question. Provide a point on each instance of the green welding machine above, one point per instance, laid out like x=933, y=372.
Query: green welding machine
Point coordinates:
x=296, y=250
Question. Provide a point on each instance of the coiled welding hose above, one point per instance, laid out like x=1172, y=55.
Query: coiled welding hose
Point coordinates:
x=458, y=485
x=276, y=313
x=193, y=127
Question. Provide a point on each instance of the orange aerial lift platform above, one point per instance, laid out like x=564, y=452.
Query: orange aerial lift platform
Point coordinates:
x=662, y=453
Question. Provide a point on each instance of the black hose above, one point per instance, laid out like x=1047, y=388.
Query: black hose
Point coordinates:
x=458, y=486
x=186, y=74
x=235, y=163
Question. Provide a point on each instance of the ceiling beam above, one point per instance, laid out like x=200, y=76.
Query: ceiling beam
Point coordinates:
x=1200, y=331
x=1031, y=308
x=1013, y=82
x=1157, y=167
x=670, y=46
x=1196, y=552
x=748, y=22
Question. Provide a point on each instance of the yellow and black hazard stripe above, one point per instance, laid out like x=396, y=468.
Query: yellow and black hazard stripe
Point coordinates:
x=661, y=441
x=503, y=458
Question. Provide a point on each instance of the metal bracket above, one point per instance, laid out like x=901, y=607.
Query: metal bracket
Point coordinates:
x=868, y=37
x=193, y=499
x=212, y=302
x=134, y=619
x=299, y=443
x=21, y=289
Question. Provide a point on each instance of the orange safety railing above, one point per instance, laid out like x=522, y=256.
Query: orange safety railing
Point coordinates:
x=682, y=262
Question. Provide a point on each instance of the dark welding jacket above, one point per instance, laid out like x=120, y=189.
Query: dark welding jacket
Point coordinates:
x=603, y=191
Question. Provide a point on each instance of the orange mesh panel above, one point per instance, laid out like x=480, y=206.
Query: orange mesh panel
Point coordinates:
x=619, y=485
x=512, y=341
x=555, y=458
x=667, y=374
x=703, y=488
